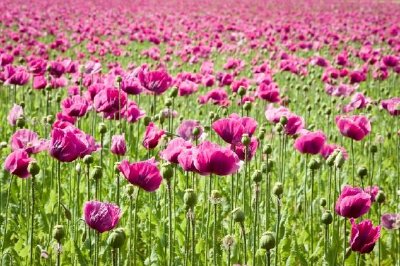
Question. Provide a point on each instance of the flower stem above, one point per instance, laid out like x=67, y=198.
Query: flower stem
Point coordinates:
x=170, y=244
x=255, y=224
x=32, y=218
x=244, y=242
x=278, y=218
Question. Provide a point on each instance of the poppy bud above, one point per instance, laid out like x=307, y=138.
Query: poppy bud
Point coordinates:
x=339, y=160
x=278, y=189
x=173, y=92
x=146, y=120
x=247, y=106
x=283, y=120
x=78, y=168
x=362, y=171
x=238, y=215
x=102, y=128
x=167, y=172
x=331, y=159
x=380, y=197
x=58, y=232
x=116, y=170
x=20, y=122
x=88, y=159
x=196, y=131
x=246, y=140
x=267, y=241
x=322, y=202
x=50, y=119
x=279, y=128
x=116, y=238
x=257, y=176
x=96, y=173
x=33, y=168
x=3, y=145
x=267, y=149
x=314, y=164
x=241, y=91
x=373, y=148
x=327, y=217
x=168, y=103
x=190, y=198
x=119, y=79
x=130, y=189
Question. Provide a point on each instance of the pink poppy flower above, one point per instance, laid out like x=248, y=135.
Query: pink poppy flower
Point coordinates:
x=174, y=148
x=209, y=158
x=152, y=136
x=118, y=145
x=185, y=129
x=363, y=236
x=15, y=113
x=17, y=163
x=242, y=152
x=355, y=127
x=74, y=106
x=144, y=174
x=157, y=81
x=392, y=106
x=391, y=221
x=132, y=113
x=310, y=142
x=353, y=202
x=101, y=216
x=27, y=140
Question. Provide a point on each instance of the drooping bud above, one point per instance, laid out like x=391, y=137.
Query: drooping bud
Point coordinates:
x=238, y=215
x=380, y=197
x=167, y=172
x=190, y=198
x=278, y=189
x=102, y=128
x=116, y=238
x=257, y=176
x=327, y=218
x=58, y=232
x=246, y=140
x=267, y=241
x=96, y=173
x=33, y=168
x=362, y=172
x=88, y=159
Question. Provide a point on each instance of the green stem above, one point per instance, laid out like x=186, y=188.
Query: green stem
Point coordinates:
x=244, y=242
x=278, y=218
x=170, y=244
x=255, y=224
x=32, y=218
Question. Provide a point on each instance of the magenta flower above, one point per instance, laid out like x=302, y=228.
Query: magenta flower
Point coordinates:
x=75, y=106
x=144, y=174
x=185, y=129
x=17, y=163
x=363, y=236
x=118, y=145
x=155, y=81
x=391, y=221
x=372, y=191
x=274, y=115
x=186, y=160
x=27, y=140
x=310, y=142
x=353, y=202
x=92, y=68
x=269, y=92
x=109, y=101
x=390, y=61
x=174, y=148
x=328, y=149
x=355, y=127
x=131, y=84
x=242, y=152
x=15, y=113
x=19, y=77
x=358, y=101
x=69, y=143
x=209, y=158
x=392, y=106
x=231, y=129
x=152, y=136
x=132, y=113
x=39, y=82
x=294, y=125
x=101, y=216
x=56, y=69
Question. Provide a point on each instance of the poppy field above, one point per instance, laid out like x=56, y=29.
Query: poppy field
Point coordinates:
x=199, y=132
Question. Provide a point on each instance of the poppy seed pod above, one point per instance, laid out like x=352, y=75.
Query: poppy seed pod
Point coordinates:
x=167, y=172
x=196, y=131
x=241, y=91
x=327, y=218
x=283, y=120
x=257, y=176
x=102, y=128
x=373, y=148
x=190, y=198
x=129, y=189
x=3, y=145
x=96, y=173
x=246, y=139
x=314, y=164
x=20, y=122
x=322, y=202
x=278, y=189
x=33, y=168
x=146, y=120
x=215, y=197
x=339, y=160
x=267, y=241
x=238, y=215
x=58, y=232
x=228, y=241
x=279, y=128
x=168, y=102
x=247, y=106
x=118, y=79
x=117, y=238
x=173, y=92
x=88, y=159
x=362, y=172
x=380, y=197
x=267, y=149
x=78, y=168
x=50, y=119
